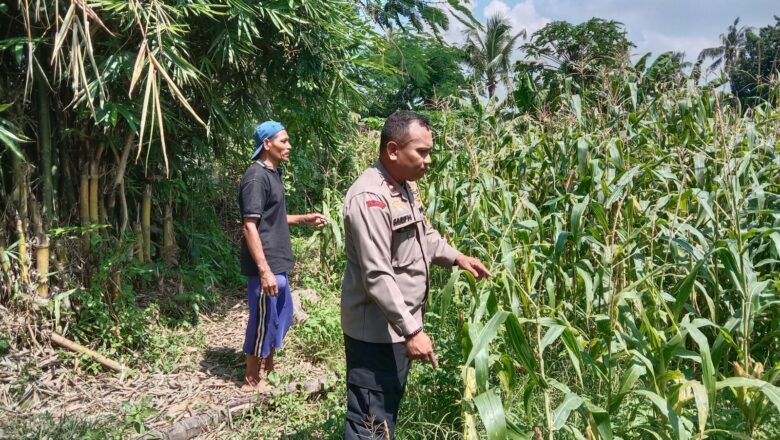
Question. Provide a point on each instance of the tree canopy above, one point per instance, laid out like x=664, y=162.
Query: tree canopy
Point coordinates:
x=578, y=50
x=420, y=69
x=758, y=66
x=489, y=50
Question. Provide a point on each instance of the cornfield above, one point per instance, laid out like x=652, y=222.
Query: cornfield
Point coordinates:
x=634, y=244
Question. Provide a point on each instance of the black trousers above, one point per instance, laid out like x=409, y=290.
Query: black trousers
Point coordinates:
x=376, y=378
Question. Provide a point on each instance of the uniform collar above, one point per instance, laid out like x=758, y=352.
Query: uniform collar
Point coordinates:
x=395, y=187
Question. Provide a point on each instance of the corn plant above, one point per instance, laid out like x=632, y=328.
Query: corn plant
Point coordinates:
x=634, y=243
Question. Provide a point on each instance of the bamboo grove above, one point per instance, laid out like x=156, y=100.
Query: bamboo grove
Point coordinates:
x=112, y=115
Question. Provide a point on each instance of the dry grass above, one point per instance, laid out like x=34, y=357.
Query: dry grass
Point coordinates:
x=206, y=374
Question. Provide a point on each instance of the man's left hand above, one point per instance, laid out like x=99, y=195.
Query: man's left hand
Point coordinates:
x=315, y=219
x=473, y=265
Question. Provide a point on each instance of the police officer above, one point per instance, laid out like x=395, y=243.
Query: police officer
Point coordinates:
x=389, y=247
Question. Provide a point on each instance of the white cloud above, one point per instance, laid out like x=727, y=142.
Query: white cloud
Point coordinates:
x=658, y=43
x=454, y=34
x=522, y=15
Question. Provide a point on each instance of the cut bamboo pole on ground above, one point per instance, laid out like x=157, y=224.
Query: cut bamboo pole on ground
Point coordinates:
x=190, y=427
x=75, y=346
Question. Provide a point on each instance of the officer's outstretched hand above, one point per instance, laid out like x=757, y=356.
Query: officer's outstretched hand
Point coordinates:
x=473, y=265
x=420, y=347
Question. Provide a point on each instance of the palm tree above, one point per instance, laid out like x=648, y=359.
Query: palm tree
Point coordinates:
x=488, y=52
x=729, y=51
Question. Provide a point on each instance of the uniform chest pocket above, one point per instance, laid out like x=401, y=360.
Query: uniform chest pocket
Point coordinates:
x=405, y=247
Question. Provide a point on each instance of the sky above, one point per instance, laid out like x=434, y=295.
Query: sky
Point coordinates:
x=653, y=26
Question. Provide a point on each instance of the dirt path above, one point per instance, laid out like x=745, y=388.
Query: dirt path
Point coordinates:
x=207, y=375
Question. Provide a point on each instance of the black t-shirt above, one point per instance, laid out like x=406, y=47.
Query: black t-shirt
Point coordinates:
x=261, y=196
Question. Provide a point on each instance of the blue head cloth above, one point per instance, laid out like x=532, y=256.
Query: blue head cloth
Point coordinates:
x=266, y=130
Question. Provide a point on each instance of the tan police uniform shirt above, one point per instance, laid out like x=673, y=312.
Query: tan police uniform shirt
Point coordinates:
x=389, y=247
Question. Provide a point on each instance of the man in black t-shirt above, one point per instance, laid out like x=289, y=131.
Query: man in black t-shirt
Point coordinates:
x=266, y=252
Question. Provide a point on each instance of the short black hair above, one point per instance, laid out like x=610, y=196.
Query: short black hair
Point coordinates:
x=396, y=127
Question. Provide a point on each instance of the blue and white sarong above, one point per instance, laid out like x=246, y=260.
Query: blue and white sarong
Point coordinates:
x=269, y=317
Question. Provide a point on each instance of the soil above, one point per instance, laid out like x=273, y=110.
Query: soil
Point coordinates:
x=36, y=380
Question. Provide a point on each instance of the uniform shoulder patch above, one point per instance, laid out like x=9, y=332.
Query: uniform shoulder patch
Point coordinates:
x=376, y=204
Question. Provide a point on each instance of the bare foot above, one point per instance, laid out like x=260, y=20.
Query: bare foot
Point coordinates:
x=250, y=386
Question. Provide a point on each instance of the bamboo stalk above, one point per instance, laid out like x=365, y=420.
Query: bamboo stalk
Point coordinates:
x=23, y=259
x=84, y=200
x=24, y=190
x=169, y=238
x=42, y=265
x=138, y=247
x=5, y=264
x=116, y=285
x=93, y=199
x=17, y=174
x=102, y=212
x=75, y=346
x=146, y=223
x=41, y=249
x=84, y=208
x=123, y=206
x=45, y=144
x=94, y=187
x=60, y=256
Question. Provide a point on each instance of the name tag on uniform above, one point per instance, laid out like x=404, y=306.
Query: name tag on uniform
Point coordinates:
x=402, y=220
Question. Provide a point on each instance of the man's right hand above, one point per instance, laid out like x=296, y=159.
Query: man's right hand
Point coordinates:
x=268, y=282
x=420, y=347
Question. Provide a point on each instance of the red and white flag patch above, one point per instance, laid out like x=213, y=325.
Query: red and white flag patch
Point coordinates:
x=375, y=204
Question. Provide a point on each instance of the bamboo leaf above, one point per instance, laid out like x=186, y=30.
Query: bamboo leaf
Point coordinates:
x=145, y=109
x=59, y=39
x=175, y=89
x=158, y=109
x=137, y=67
